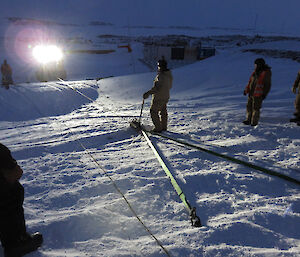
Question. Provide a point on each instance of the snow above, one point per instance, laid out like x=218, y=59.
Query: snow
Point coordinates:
x=71, y=146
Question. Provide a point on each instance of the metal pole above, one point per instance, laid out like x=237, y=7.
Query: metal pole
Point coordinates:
x=141, y=111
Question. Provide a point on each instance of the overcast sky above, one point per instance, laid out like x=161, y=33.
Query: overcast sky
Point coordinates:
x=270, y=15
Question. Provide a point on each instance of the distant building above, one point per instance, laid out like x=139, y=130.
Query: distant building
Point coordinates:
x=206, y=52
x=175, y=55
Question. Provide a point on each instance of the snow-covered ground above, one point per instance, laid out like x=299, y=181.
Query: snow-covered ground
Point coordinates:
x=74, y=204
x=72, y=147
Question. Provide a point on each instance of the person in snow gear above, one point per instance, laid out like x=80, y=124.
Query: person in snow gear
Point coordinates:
x=160, y=96
x=257, y=90
x=296, y=87
x=14, y=238
x=6, y=72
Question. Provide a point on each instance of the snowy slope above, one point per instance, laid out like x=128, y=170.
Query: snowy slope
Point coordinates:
x=68, y=196
x=79, y=211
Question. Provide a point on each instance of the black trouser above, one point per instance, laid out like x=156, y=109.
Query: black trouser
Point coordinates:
x=12, y=222
x=12, y=229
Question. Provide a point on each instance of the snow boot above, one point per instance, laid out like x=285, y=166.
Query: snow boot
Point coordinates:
x=246, y=122
x=27, y=244
x=156, y=130
x=297, y=119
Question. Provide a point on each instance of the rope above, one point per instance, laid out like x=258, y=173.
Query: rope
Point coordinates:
x=168, y=173
x=253, y=166
x=113, y=182
x=90, y=99
x=115, y=185
x=74, y=89
x=125, y=199
x=192, y=211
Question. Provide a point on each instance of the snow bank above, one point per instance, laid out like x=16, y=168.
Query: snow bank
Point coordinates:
x=70, y=200
x=32, y=101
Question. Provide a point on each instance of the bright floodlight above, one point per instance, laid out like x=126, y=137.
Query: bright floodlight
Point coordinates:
x=47, y=53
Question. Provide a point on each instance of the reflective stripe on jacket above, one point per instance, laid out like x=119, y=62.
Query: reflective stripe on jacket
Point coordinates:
x=261, y=84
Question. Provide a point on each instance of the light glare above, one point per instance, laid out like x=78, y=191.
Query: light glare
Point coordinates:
x=47, y=53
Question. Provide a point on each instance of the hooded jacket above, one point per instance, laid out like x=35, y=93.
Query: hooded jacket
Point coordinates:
x=161, y=86
x=259, y=85
x=12, y=222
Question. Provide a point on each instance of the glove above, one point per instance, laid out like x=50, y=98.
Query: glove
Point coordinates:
x=245, y=93
x=294, y=90
x=146, y=95
x=263, y=97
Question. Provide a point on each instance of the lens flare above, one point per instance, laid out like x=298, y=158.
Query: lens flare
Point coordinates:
x=47, y=53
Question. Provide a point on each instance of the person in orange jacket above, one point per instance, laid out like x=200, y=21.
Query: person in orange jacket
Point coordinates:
x=257, y=90
x=6, y=72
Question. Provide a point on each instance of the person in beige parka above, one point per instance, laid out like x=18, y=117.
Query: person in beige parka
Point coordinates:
x=160, y=96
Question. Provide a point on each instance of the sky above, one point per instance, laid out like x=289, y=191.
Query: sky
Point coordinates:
x=268, y=15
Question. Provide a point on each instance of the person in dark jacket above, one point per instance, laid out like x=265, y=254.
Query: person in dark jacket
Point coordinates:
x=15, y=240
x=160, y=96
x=257, y=90
x=296, y=90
